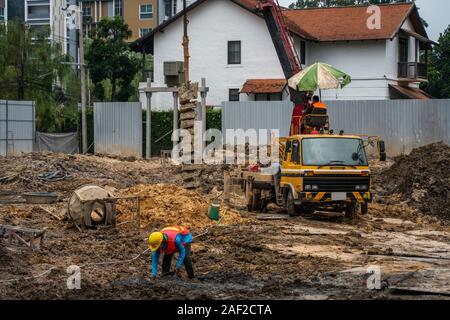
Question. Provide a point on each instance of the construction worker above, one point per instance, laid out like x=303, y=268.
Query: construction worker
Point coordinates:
x=168, y=241
x=297, y=114
x=318, y=107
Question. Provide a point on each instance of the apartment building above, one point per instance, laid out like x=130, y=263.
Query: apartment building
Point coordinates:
x=169, y=8
x=46, y=17
x=140, y=15
x=3, y=10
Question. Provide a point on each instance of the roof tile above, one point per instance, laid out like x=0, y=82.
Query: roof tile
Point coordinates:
x=264, y=86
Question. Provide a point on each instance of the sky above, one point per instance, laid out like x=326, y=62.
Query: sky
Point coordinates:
x=435, y=12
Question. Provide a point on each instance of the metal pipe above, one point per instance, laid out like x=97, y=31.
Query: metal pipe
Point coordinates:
x=148, y=151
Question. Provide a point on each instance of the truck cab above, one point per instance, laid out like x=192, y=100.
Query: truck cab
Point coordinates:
x=327, y=172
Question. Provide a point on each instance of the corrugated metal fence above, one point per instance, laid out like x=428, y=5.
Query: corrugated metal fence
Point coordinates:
x=118, y=128
x=17, y=127
x=403, y=124
x=269, y=115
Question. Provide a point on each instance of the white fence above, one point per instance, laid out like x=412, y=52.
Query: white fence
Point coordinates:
x=118, y=128
x=17, y=127
x=403, y=124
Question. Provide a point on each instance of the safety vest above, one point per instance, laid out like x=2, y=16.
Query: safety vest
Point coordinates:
x=171, y=233
x=320, y=105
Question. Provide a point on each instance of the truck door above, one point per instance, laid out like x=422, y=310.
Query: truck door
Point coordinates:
x=291, y=165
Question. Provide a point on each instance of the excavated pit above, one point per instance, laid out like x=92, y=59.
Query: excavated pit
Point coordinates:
x=242, y=258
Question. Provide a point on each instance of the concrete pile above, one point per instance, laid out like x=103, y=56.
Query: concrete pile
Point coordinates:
x=188, y=95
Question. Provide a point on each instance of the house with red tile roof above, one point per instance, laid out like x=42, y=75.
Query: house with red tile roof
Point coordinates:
x=231, y=47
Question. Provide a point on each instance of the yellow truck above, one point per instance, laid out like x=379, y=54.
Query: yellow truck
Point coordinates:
x=326, y=172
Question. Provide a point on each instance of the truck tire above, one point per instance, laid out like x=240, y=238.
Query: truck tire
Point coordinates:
x=351, y=211
x=256, y=203
x=291, y=208
x=364, y=208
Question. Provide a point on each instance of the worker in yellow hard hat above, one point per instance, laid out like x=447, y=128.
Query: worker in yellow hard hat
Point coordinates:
x=168, y=241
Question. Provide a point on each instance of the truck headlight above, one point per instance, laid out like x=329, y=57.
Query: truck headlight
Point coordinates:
x=308, y=187
x=361, y=187
x=315, y=188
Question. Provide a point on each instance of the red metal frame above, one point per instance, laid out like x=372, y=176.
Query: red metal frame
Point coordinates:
x=283, y=30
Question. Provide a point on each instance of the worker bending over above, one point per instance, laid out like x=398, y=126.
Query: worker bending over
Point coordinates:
x=169, y=241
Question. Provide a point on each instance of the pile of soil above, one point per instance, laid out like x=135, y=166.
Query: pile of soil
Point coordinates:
x=24, y=173
x=422, y=178
x=163, y=205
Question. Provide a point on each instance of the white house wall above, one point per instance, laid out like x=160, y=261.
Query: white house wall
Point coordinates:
x=373, y=65
x=211, y=26
x=363, y=60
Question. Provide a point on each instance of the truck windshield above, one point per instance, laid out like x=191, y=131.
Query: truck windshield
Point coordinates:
x=333, y=152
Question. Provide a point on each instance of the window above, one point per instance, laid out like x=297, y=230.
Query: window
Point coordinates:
x=144, y=31
x=234, y=52
x=233, y=95
x=87, y=12
x=168, y=9
x=333, y=152
x=288, y=149
x=174, y=7
x=268, y=96
x=403, y=49
x=118, y=8
x=146, y=11
x=303, y=52
x=295, y=157
x=2, y=14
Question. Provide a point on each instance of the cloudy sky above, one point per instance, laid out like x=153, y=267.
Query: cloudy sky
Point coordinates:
x=435, y=12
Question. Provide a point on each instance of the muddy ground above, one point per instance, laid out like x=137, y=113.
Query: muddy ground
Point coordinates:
x=267, y=256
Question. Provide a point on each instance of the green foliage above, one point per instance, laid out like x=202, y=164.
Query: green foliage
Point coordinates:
x=214, y=119
x=109, y=58
x=31, y=68
x=439, y=68
x=300, y=4
x=162, y=125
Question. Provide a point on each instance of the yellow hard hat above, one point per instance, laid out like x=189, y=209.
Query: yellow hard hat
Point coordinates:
x=155, y=240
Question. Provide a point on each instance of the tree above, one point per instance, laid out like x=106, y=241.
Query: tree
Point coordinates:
x=439, y=68
x=32, y=68
x=110, y=60
x=300, y=4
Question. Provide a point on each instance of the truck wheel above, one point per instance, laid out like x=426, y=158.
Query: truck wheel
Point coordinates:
x=351, y=211
x=291, y=208
x=256, y=203
x=364, y=208
x=264, y=206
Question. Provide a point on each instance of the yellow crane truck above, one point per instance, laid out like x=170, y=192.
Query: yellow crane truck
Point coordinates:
x=326, y=172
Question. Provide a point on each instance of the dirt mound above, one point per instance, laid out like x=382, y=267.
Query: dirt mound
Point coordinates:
x=422, y=178
x=166, y=204
x=26, y=172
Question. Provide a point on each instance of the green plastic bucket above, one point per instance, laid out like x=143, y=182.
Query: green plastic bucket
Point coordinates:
x=214, y=211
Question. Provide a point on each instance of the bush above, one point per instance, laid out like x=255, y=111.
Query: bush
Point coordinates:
x=162, y=125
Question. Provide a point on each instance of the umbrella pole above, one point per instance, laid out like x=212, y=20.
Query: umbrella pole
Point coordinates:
x=320, y=94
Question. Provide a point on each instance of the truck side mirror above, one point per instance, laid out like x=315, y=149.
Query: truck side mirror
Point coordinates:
x=382, y=149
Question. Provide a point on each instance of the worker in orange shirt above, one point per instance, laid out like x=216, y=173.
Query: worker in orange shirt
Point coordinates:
x=318, y=107
x=169, y=241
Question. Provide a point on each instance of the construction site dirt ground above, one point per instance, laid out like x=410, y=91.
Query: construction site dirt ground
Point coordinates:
x=245, y=256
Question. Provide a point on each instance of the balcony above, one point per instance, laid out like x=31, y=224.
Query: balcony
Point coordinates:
x=413, y=71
